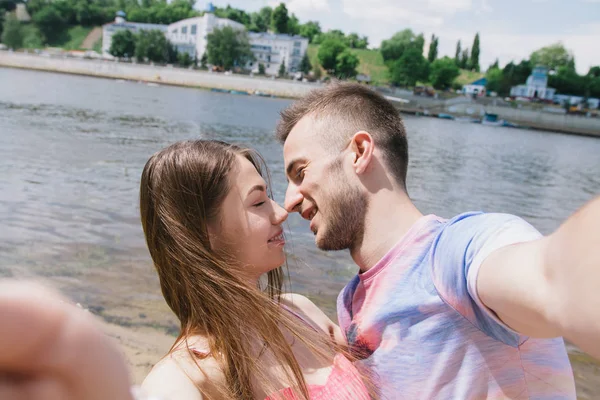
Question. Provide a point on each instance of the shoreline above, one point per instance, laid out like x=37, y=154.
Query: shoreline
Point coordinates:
x=167, y=75
x=282, y=88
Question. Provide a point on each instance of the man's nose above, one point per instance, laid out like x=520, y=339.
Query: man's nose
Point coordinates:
x=293, y=198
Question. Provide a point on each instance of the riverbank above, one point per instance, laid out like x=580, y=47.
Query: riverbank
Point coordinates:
x=156, y=74
x=245, y=84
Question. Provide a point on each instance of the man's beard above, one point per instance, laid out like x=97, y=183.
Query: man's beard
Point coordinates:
x=344, y=220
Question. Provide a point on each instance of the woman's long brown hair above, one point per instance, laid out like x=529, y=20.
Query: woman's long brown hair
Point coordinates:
x=182, y=189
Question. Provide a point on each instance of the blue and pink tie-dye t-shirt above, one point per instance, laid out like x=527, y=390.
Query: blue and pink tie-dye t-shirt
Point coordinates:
x=418, y=324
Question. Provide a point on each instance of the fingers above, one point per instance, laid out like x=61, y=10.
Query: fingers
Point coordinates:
x=39, y=389
x=32, y=317
x=42, y=337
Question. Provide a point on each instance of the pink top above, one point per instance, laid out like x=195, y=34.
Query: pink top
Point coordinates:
x=344, y=381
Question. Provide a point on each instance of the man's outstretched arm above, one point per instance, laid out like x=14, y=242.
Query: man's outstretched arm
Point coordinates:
x=550, y=287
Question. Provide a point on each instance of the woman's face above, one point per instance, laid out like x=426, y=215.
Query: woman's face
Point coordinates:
x=250, y=222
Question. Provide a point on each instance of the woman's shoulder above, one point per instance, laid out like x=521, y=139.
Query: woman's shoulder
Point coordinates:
x=309, y=310
x=185, y=373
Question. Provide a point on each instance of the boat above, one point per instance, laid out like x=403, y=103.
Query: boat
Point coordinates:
x=445, y=116
x=219, y=90
x=493, y=120
x=239, y=92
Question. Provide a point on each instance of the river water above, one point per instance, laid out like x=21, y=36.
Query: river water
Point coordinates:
x=72, y=150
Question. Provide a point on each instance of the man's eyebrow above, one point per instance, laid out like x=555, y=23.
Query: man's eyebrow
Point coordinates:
x=261, y=188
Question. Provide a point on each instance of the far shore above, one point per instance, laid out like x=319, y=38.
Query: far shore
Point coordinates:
x=285, y=88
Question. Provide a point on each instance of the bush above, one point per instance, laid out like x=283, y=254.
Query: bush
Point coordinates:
x=12, y=36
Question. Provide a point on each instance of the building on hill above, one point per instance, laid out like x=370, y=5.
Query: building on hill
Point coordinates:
x=536, y=87
x=190, y=35
x=476, y=88
x=272, y=50
x=121, y=24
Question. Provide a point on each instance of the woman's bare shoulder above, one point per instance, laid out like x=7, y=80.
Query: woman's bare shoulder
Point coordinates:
x=184, y=374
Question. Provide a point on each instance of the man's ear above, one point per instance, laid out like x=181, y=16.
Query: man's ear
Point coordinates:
x=362, y=146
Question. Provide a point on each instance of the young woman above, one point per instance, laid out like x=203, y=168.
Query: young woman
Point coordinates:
x=214, y=232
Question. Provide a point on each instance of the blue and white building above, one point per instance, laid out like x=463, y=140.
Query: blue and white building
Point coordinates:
x=536, y=86
x=476, y=88
x=191, y=36
x=271, y=50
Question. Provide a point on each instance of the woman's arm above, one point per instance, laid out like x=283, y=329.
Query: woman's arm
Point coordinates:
x=314, y=314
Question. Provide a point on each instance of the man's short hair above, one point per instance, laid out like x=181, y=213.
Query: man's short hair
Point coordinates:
x=347, y=108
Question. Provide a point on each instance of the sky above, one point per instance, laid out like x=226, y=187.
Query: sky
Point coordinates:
x=510, y=30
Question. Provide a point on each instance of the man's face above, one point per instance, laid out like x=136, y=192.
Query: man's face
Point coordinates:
x=321, y=188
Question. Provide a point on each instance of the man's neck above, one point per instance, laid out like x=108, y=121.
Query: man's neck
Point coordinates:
x=390, y=216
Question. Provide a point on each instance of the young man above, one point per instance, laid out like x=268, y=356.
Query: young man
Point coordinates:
x=468, y=308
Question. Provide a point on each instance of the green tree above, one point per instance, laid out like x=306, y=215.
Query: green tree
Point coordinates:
x=443, y=73
x=409, y=69
x=12, y=35
x=345, y=64
x=234, y=14
x=227, y=47
x=328, y=52
x=474, y=61
x=464, y=60
x=293, y=25
x=553, y=57
x=154, y=46
x=261, y=69
x=457, y=59
x=261, y=21
x=495, y=78
x=495, y=65
x=352, y=40
x=123, y=44
x=50, y=23
x=433, y=48
x=305, y=66
x=331, y=34
x=393, y=48
x=184, y=59
x=594, y=72
x=363, y=43
x=309, y=30
x=6, y=6
x=33, y=6
x=567, y=81
x=282, y=70
x=33, y=39
x=280, y=19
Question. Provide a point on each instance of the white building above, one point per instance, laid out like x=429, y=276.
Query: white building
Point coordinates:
x=536, y=86
x=190, y=35
x=476, y=88
x=120, y=24
x=271, y=50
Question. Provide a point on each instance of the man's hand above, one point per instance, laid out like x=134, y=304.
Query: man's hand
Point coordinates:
x=50, y=350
